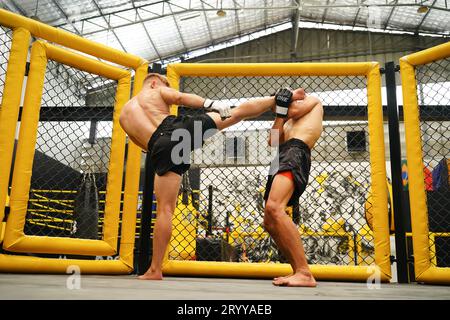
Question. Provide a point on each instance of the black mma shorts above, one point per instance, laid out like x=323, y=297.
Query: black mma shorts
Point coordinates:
x=293, y=155
x=162, y=142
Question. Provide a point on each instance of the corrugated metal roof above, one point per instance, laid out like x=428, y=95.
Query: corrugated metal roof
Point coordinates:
x=160, y=29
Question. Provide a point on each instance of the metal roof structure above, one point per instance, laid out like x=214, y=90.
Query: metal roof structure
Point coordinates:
x=158, y=30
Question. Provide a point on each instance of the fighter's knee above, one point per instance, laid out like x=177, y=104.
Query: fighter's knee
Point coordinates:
x=272, y=209
x=271, y=214
x=166, y=210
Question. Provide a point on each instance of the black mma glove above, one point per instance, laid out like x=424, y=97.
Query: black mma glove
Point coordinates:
x=283, y=98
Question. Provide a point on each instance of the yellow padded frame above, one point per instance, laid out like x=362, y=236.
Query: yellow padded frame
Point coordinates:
x=23, y=28
x=26, y=264
x=371, y=71
x=14, y=239
x=423, y=268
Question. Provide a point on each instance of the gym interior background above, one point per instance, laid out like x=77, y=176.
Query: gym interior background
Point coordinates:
x=71, y=184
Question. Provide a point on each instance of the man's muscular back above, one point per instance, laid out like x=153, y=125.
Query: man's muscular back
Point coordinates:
x=143, y=114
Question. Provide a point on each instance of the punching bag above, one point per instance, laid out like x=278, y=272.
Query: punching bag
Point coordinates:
x=85, y=211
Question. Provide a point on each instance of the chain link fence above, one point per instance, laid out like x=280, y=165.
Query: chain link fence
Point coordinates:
x=219, y=216
x=5, y=47
x=433, y=92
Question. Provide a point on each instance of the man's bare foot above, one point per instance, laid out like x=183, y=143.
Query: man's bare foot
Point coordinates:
x=298, y=279
x=282, y=277
x=152, y=275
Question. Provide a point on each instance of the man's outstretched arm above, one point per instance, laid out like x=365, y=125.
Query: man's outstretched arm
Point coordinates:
x=172, y=96
x=301, y=107
x=276, y=134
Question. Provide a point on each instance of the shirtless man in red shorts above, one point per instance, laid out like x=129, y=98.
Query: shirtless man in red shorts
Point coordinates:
x=288, y=177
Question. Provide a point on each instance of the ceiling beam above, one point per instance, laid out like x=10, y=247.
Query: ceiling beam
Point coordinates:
x=426, y=15
x=266, y=18
x=109, y=25
x=325, y=12
x=211, y=39
x=357, y=13
x=386, y=24
x=147, y=33
x=178, y=28
x=66, y=17
x=15, y=6
x=296, y=27
x=236, y=16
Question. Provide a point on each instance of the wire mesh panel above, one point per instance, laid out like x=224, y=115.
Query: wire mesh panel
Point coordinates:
x=5, y=46
x=219, y=216
x=67, y=194
x=433, y=92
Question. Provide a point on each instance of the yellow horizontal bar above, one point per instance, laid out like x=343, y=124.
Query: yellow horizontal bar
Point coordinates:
x=27, y=264
x=429, y=55
x=61, y=245
x=54, y=191
x=48, y=226
x=48, y=209
x=435, y=275
x=265, y=270
x=303, y=233
x=270, y=69
x=69, y=40
x=36, y=220
x=46, y=216
x=440, y=234
x=78, y=61
x=59, y=202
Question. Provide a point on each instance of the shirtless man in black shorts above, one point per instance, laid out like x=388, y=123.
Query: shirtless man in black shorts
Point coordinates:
x=148, y=123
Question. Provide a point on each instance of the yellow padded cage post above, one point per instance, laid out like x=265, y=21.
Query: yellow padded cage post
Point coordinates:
x=15, y=240
x=371, y=71
x=133, y=169
x=9, y=110
x=423, y=268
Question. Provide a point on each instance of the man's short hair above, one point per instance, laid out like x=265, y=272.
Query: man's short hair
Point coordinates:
x=158, y=76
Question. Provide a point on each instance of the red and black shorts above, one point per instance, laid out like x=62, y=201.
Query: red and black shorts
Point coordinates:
x=293, y=160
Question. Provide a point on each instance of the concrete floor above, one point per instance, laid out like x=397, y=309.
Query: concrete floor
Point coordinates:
x=94, y=287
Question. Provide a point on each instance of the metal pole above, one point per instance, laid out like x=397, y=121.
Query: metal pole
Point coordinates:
x=396, y=169
x=145, y=241
x=210, y=209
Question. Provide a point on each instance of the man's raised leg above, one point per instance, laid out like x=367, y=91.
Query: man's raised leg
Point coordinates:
x=166, y=191
x=282, y=229
x=249, y=109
